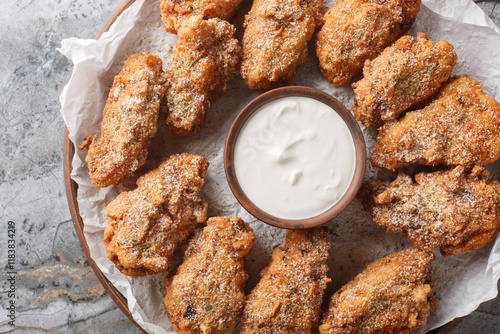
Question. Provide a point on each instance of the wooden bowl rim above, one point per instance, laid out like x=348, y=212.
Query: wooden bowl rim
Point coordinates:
x=71, y=188
x=72, y=191
x=360, y=156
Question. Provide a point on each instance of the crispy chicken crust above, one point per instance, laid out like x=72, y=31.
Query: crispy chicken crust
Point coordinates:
x=357, y=30
x=403, y=75
x=454, y=210
x=206, y=295
x=289, y=295
x=392, y=295
x=205, y=58
x=129, y=122
x=275, y=40
x=175, y=12
x=145, y=225
x=460, y=127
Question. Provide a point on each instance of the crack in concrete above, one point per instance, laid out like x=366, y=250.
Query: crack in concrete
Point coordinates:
x=25, y=6
x=53, y=329
x=15, y=195
x=13, y=328
x=34, y=251
x=30, y=173
x=55, y=236
x=86, y=319
x=488, y=313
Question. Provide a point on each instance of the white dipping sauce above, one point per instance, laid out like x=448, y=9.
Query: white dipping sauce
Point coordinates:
x=294, y=157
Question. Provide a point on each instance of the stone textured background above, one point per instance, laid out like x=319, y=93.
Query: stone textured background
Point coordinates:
x=57, y=291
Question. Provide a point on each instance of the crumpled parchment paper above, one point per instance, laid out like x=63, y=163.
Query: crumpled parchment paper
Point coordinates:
x=461, y=282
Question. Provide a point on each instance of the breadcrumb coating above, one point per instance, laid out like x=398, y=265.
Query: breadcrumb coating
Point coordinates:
x=357, y=30
x=275, y=40
x=289, y=295
x=145, y=225
x=454, y=210
x=392, y=295
x=460, y=127
x=206, y=295
x=129, y=123
x=205, y=58
x=175, y=12
x=403, y=75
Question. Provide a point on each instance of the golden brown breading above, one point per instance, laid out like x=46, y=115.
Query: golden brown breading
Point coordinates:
x=357, y=30
x=129, y=122
x=392, y=295
x=206, y=295
x=454, y=210
x=145, y=225
x=289, y=295
x=460, y=127
x=175, y=12
x=403, y=75
x=275, y=40
x=203, y=61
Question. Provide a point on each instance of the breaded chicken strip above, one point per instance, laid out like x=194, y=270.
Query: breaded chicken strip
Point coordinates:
x=175, y=12
x=403, y=75
x=275, y=40
x=454, y=210
x=289, y=295
x=392, y=295
x=203, y=61
x=460, y=127
x=357, y=30
x=129, y=122
x=145, y=225
x=206, y=295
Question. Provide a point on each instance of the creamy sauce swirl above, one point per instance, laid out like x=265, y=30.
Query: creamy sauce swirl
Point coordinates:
x=294, y=157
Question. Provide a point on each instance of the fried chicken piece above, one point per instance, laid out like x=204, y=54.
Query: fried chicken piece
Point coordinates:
x=145, y=225
x=206, y=295
x=175, y=12
x=392, y=295
x=357, y=30
x=275, y=40
x=289, y=295
x=460, y=127
x=203, y=61
x=129, y=122
x=403, y=75
x=454, y=210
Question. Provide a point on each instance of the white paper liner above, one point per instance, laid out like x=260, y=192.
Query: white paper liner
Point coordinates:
x=461, y=282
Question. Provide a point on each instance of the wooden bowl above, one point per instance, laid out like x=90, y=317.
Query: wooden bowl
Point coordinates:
x=72, y=190
x=359, y=168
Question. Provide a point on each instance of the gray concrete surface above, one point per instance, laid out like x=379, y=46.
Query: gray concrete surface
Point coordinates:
x=56, y=290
